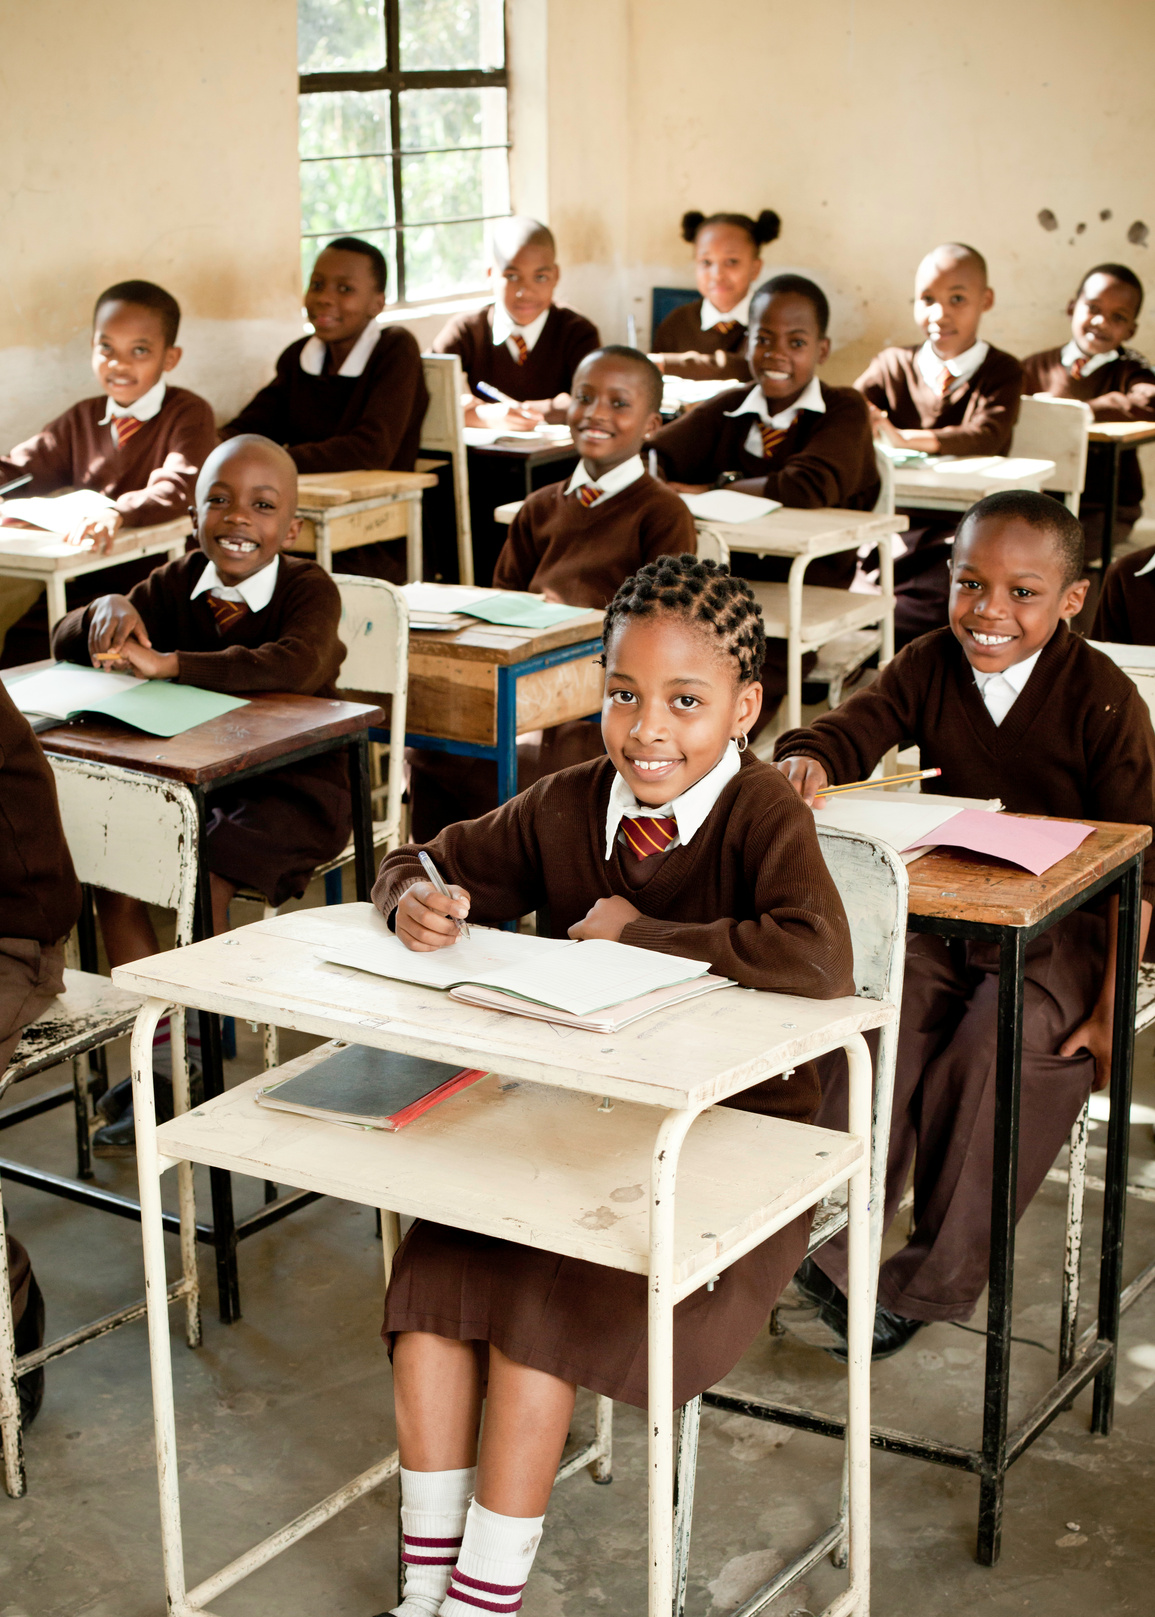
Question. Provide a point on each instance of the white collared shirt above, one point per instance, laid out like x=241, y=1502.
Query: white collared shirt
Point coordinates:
x=313, y=353
x=504, y=327
x=256, y=591
x=711, y=317
x=611, y=482
x=142, y=409
x=961, y=368
x=1091, y=362
x=1001, y=690
x=755, y=404
x=690, y=810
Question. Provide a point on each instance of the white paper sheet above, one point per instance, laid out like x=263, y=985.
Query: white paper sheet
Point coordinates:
x=725, y=505
x=1142, y=657
x=66, y=689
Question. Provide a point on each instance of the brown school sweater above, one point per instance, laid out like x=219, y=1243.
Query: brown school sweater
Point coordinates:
x=709, y=356
x=290, y=645
x=344, y=423
x=39, y=893
x=975, y=420
x=1126, y=610
x=1124, y=390
x=751, y=893
x=582, y=554
x=1077, y=743
x=566, y=338
x=151, y=479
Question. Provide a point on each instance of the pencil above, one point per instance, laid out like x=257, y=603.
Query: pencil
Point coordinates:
x=887, y=780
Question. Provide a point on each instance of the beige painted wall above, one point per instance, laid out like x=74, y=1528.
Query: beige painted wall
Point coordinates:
x=147, y=138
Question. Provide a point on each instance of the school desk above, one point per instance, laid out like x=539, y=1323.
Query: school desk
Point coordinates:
x=579, y=1147
x=953, y=895
x=27, y=554
x=272, y=732
x=341, y=510
x=934, y=487
x=499, y=472
x=1111, y=438
x=474, y=690
x=523, y=458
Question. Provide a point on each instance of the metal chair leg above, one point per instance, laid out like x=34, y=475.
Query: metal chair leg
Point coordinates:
x=15, y=1480
x=1073, y=1251
x=687, y=1465
x=186, y=1194
x=604, y=1435
x=81, y=1114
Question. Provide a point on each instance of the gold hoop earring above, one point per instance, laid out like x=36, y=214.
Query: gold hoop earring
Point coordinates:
x=742, y=741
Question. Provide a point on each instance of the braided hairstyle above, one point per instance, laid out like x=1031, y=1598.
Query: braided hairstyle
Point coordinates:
x=703, y=593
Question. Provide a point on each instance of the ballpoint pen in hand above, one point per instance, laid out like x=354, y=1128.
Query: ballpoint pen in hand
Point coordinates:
x=432, y=872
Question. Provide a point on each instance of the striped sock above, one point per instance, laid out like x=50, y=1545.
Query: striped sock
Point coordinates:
x=433, y=1507
x=496, y=1555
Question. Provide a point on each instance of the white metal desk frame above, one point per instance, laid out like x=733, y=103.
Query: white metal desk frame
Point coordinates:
x=47, y=558
x=834, y=1025
x=320, y=516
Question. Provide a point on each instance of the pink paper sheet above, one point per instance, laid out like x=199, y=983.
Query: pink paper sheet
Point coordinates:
x=1036, y=845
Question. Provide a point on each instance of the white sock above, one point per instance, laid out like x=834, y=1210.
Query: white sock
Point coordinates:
x=433, y=1507
x=493, y=1565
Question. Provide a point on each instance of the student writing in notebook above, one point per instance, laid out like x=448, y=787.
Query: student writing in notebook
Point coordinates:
x=706, y=339
x=238, y=616
x=1008, y=703
x=680, y=840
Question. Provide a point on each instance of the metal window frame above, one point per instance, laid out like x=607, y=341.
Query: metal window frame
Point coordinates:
x=393, y=79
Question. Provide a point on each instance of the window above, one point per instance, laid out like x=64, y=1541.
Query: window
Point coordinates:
x=403, y=135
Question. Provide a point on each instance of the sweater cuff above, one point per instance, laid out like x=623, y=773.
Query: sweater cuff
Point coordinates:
x=648, y=933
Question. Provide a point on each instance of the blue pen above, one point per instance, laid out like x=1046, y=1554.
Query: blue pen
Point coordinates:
x=496, y=394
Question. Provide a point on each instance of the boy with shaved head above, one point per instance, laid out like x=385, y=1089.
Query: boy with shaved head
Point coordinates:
x=952, y=394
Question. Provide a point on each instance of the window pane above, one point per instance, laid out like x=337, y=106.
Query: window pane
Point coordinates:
x=345, y=195
x=452, y=33
x=384, y=239
x=340, y=123
x=340, y=35
x=444, y=258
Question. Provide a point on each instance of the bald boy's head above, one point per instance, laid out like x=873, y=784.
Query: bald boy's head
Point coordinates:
x=951, y=296
x=509, y=236
x=954, y=255
x=251, y=447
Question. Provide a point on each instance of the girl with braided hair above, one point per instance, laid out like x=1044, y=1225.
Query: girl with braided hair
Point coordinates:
x=679, y=840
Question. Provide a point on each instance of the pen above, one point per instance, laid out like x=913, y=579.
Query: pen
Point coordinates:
x=17, y=482
x=496, y=395
x=431, y=871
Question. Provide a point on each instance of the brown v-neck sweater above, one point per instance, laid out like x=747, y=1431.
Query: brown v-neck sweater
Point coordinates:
x=977, y=419
x=751, y=893
x=566, y=338
x=1123, y=390
x=39, y=895
x=708, y=356
x=1076, y=744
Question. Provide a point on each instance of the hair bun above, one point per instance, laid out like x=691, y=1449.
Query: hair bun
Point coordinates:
x=691, y=224
x=767, y=227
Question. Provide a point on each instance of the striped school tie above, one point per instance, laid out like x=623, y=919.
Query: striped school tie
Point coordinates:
x=226, y=612
x=649, y=833
x=588, y=493
x=521, y=345
x=725, y=327
x=125, y=426
x=1078, y=366
x=945, y=382
x=771, y=438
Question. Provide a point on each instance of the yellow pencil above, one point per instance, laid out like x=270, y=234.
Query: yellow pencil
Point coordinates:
x=887, y=780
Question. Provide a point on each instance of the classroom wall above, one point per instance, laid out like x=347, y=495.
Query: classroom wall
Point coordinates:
x=146, y=138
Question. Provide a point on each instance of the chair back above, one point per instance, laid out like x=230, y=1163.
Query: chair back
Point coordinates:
x=1055, y=429
x=664, y=300
x=711, y=545
x=443, y=433
x=131, y=833
x=375, y=632
x=884, y=504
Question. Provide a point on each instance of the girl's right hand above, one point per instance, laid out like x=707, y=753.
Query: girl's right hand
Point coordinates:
x=807, y=777
x=425, y=919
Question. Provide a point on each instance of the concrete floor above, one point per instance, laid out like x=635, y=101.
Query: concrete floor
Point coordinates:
x=279, y=1409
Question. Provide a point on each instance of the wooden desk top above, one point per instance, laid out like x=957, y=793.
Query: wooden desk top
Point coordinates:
x=563, y=450
x=792, y=532
x=1122, y=432
x=270, y=727
x=957, y=886
x=317, y=491
x=33, y=551
x=695, y=1053
x=498, y=643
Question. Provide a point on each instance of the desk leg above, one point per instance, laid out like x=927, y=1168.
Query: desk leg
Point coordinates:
x=57, y=600
x=886, y=581
x=212, y=1062
x=506, y=734
x=414, y=556
x=1004, y=1185
x=1118, y=1142
x=1115, y=450
x=794, y=642
x=324, y=551
x=359, y=788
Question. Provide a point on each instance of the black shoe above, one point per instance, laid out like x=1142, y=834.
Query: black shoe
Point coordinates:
x=817, y=1288
x=119, y=1139
x=115, y=1101
x=892, y=1332
x=29, y=1336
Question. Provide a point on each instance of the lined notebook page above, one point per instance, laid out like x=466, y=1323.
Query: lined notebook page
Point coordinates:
x=592, y=975
x=472, y=959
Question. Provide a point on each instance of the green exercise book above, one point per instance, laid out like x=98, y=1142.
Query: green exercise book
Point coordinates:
x=365, y=1088
x=159, y=707
x=517, y=611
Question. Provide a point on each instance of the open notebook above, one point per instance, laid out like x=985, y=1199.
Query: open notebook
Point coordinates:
x=159, y=707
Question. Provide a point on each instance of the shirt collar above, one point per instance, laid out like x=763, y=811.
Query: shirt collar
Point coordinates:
x=809, y=399
x=1091, y=362
x=711, y=317
x=611, y=482
x=504, y=326
x=313, y=353
x=690, y=810
x=1016, y=675
x=962, y=367
x=256, y=591
x=142, y=409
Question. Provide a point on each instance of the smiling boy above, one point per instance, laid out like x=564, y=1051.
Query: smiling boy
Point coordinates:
x=1007, y=703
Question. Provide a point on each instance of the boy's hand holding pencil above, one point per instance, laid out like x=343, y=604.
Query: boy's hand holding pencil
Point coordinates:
x=810, y=780
x=115, y=622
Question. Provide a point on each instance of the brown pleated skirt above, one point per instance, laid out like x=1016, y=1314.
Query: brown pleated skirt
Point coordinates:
x=577, y=1320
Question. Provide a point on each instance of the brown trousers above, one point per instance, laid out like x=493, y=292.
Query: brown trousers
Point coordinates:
x=944, y=1094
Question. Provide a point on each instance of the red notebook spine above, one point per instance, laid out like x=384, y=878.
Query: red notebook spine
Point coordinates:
x=460, y=1080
